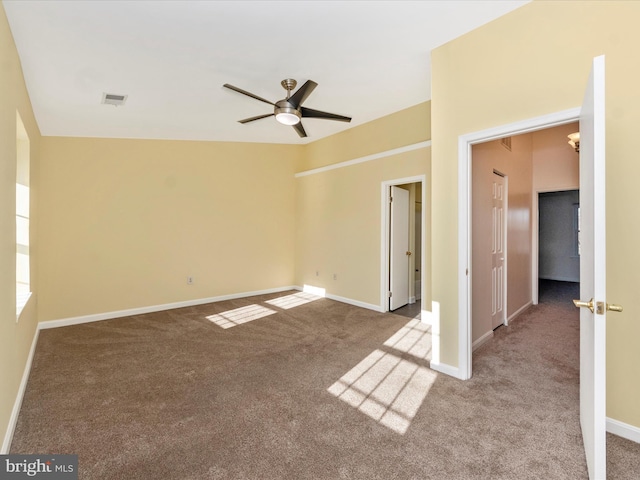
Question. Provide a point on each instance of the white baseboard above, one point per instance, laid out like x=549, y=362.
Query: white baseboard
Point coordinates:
x=482, y=340
x=623, y=430
x=65, y=322
x=519, y=311
x=447, y=370
x=17, y=404
x=356, y=303
x=96, y=317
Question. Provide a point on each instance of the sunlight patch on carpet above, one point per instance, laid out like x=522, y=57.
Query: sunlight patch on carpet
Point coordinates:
x=231, y=318
x=387, y=387
x=414, y=338
x=293, y=300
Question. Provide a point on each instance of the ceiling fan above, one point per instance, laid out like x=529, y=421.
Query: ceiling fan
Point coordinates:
x=289, y=111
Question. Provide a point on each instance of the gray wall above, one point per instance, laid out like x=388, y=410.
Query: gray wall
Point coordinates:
x=558, y=258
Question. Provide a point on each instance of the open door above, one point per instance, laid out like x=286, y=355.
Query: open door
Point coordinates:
x=498, y=253
x=399, y=248
x=593, y=273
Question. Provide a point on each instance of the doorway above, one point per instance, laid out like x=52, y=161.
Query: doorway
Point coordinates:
x=507, y=175
x=558, y=246
x=465, y=244
x=403, y=238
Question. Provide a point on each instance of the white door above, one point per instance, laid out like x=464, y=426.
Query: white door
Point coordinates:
x=593, y=273
x=498, y=251
x=399, y=248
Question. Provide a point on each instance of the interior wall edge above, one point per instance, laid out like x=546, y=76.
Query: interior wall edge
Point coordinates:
x=367, y=158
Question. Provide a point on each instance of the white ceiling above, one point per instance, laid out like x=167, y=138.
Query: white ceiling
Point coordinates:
x=369, y=58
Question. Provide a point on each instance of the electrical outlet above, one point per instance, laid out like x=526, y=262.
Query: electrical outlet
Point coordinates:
x=335, y=276
x=317, y=273
x=189, y=280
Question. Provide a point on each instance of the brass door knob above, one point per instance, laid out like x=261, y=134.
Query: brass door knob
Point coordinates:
x=600, y=306
x=580, y=303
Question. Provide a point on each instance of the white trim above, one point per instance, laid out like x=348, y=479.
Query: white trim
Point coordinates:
x=17, y=404
x=464, y=219
x=447, y=370
x=64, y=322
x=520, y=310
x=482, y=340
x=464, y=258
x=384, y=234
x=356, y=303
x=623, y=430
x=367, y=158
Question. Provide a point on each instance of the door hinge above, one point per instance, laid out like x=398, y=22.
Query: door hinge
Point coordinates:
x=390, y=199
x=390, y=294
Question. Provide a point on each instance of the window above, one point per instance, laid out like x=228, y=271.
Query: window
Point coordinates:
x=23, y=284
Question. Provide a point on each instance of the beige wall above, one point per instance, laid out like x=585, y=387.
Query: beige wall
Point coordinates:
x=555, y=163
x=402, y=128
x=126, y=221
x=15, y=338
x=535, y=61
x=338, y=225
x=517, y=166
x=338, y=212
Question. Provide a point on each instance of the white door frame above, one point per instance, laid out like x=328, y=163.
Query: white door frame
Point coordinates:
x=464, y=217
x=385, y=230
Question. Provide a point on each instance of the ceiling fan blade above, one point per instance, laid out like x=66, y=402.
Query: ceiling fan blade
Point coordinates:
x=300, y=129
x=247, y=120
x=302, y=93
x=310, y=113
x=248, y=94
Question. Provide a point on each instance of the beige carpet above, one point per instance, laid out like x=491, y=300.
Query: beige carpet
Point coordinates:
x=286, y=386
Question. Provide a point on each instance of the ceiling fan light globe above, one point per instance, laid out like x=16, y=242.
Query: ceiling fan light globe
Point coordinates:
x=287, y=118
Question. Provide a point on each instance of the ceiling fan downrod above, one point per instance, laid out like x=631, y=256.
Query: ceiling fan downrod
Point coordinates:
x=288, y=84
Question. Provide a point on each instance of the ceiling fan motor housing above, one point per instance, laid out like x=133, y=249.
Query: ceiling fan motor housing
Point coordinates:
x=283, y=111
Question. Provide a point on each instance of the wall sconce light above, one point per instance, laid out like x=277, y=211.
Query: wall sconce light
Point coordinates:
x=574, y=141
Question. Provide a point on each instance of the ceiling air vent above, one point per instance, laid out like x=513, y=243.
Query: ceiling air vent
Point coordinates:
x=113, y=99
